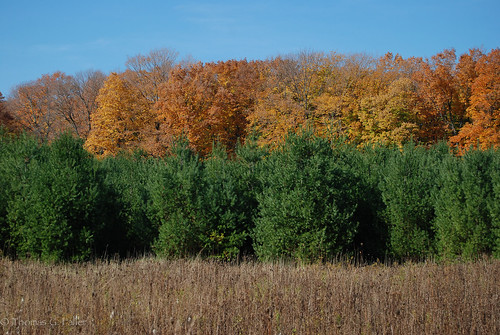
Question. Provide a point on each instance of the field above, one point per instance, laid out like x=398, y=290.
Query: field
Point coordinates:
x=151, y=296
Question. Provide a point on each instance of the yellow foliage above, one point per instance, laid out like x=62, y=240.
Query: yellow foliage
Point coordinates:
x=120, y=120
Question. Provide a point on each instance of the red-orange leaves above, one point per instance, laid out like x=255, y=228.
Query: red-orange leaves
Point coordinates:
x=37, y=105
x=484, y=110
x=442, y=112
x=208, y=103
x=55, y=103
x=6, y=120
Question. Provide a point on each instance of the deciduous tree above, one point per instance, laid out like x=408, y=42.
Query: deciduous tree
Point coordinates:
x=208, y=103
x=85, y=89
x=120, y=118
x=293, y=84
x=147, y=72
x=338, y=105
x=33, y=106
x=55, y=103
x=484, y=108
x=441, y=110
x=390, y=117
x=6, y=119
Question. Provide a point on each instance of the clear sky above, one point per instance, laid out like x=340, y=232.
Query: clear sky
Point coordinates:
x=44, y=36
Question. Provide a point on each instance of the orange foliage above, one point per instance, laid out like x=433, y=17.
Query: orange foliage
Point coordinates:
x=282, y=106
x=350, y=78
x=358, y=97
x=36, y=106
x=56, y=103
x=442, y=112
x=208, y=103
x=484, y=109
x=306, y=90
x=6, y=120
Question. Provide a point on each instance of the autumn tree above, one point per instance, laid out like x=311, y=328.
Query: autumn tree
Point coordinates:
x=292, y=85
x=55, y=103
x=208, y=103
x=379, y=98
x=60, y=90
x=441, y=109
x=484, y=109
x=120, y=118
x=298, y=75
x=147, y=72
x=466, y=74
x=34, y=107
x=337, y=107
x=85, y=88
x=388, y=111
x=277, y=111
x=390, y=117
x=6, y=119
x=354, y=96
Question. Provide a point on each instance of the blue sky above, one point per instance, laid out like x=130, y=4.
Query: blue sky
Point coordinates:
x=39, y=37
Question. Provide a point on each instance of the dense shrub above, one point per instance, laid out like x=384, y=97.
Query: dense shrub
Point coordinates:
x=464, y=221
x=130, y=228
x=51, y=213
x=494, y=204
x=15, y=154
x=308, y=199
x=367, y=165
x=176, y=202
x=307, y=204
x=229, y=201
x=408, y=185
x=206, y=207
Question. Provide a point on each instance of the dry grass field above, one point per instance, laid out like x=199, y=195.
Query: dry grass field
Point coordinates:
x=149, y=296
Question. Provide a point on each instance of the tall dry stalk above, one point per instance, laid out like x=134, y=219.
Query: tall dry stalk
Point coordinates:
x=149, y=296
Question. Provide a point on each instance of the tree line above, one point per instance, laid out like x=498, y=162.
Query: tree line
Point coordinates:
x=307, y=198
x=301, y=156
x=365, y=99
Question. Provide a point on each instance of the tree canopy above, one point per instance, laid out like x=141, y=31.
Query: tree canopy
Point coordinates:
x=358, y=97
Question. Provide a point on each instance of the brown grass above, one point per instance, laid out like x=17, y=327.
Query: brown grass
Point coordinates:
x=149, y=296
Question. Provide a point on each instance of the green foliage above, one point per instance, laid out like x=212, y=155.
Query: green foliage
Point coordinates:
x=53, y=196
x=229, y=203
x=309, y=199
x=368, y=165
x=494, y=203
x=408, y=185
x=205, y=207
x=464, y=221
x=129, y=227
x=307, y=203
x=175, y=200
x=15, y=155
